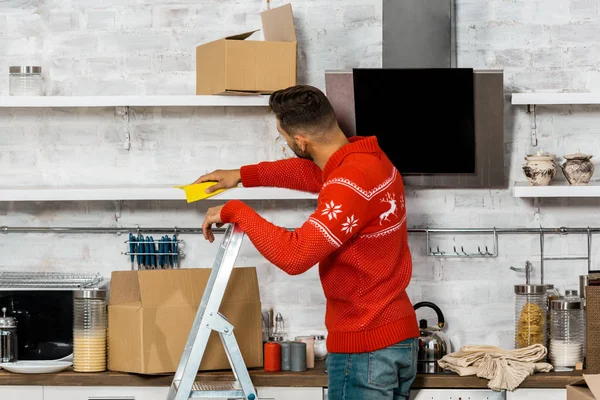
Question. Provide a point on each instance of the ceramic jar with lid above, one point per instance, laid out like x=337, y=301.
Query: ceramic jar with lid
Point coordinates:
x=539, y=168
x=578, y=169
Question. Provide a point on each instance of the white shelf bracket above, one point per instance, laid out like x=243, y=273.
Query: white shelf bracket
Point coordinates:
x=534, y=136
x=122, y=112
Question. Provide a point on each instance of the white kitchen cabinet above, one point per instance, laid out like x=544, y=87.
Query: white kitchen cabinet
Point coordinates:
x=457, y=394
x=21, y=392
x=103, y=393
x=290, y=393
x=537, y=394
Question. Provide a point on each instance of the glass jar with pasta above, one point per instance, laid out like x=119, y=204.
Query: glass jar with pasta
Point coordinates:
x=531, y=309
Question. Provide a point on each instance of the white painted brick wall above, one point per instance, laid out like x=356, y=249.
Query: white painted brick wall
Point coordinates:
x=147, y=47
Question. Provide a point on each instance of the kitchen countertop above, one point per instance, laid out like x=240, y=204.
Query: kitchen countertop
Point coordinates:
x=312, y=378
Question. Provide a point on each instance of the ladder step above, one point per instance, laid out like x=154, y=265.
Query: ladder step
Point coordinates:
x=216, y=385
x=215, y=390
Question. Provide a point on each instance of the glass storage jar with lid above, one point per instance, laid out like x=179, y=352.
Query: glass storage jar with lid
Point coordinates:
x=567, y=339
x=25, y=80
x=531, y=307
x=89, y=330
x=552, y=294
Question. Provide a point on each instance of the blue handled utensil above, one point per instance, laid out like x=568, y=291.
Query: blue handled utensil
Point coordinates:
x=152, y=254
x=161, y=253
x=169, y=247
x=132, y=248
x=175, y=251
x=147, y=252
x=141, y=249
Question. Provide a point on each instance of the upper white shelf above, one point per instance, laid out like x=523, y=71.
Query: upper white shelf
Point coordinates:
x=558, y=189
x=145, y=193
x=555, y=98
x=135, y=101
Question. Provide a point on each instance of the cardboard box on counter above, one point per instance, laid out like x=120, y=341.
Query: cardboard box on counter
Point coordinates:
x=150, y=314
x=587, y=388
x=235, y=65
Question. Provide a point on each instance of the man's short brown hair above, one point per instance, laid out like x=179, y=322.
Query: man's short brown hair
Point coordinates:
x=302, y=108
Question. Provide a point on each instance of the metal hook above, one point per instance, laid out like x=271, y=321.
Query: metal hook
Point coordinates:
x=479, y=251
x=464, y=252
x=456, y=252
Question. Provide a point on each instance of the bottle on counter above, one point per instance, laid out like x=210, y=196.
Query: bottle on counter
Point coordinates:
x=8, y=338
x=310, y=349
x=567, y=340
x=298, y=356
x=552, y=294
x=531, y=308
x=279, y=331
x=272, y=357
x=286, y=355
x=320, y=347
x=89, y=330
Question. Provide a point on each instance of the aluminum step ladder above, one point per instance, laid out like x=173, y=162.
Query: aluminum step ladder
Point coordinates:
x=209, y=319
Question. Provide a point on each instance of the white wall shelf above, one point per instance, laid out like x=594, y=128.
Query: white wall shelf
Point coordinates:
x=135, y=101
x=558, y=189
x=144, y=193
x=531, y=100
x=554, y=98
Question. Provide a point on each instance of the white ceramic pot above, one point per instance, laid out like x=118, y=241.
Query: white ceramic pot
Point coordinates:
x=539, y=169
x=578, y=169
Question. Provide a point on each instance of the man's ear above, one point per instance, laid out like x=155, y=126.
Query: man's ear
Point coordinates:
x=301, y=142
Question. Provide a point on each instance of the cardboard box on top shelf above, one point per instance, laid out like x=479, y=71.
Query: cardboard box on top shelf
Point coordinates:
x=235, y=65
x=587, y=388
x=150, y=314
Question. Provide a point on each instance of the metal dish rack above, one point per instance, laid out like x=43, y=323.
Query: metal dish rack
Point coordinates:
x=48, y=280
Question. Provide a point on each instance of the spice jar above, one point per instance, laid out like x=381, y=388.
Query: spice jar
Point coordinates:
x=310, y=349
x=531, y=307
x=320, y=347
x=298, y=356
x=566, y=345
x=25, y=81
x=272, y=357
x=89, y=330
x=8, y=338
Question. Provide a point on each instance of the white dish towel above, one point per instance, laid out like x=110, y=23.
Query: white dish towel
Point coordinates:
x=505, y=369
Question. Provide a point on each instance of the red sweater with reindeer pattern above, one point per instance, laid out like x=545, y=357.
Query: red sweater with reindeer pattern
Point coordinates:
x=357, y=235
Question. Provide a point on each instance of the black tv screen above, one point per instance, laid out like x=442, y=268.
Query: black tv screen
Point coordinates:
x=423, y=118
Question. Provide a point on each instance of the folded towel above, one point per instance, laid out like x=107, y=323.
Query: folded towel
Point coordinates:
x=505, y=369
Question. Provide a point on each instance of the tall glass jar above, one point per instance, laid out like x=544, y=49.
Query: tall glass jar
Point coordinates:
x=566, y=345
x=25, y=81
x=89, y=330
x=552, y=294
x=531, y=307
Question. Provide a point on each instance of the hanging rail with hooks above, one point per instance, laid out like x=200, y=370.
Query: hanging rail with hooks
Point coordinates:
x=456, y=252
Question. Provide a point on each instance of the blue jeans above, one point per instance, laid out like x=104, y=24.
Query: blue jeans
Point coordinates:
x=380, y=375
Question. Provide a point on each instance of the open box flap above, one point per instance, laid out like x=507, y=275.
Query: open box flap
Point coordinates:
x=593, y=382
x=278, y=24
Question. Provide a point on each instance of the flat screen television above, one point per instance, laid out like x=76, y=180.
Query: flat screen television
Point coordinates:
x=423, y=118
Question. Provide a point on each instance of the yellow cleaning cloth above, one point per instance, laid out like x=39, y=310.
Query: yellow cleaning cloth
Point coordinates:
x=196, y=191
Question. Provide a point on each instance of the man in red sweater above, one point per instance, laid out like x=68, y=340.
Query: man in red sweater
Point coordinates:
x=357, y=235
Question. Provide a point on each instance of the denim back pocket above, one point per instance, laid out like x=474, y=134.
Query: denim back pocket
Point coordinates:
x=385, y=364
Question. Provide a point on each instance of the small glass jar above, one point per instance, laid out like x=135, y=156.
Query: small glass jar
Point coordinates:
x=531, y=308
x=89, y=330
x=566, y=344
x=320, y=347
x=8, y=338
x=25, y=81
